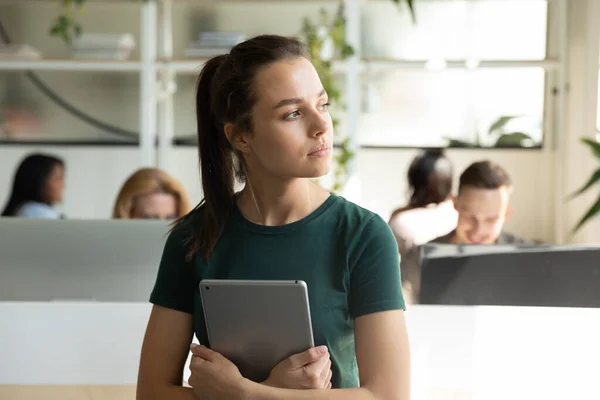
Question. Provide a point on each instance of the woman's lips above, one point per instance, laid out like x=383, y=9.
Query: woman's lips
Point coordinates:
x=321, y=152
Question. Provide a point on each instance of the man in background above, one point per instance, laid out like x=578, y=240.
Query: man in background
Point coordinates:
x=483, y=204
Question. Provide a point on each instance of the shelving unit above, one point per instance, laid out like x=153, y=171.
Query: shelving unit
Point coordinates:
x=158, y=70
x=70, y=65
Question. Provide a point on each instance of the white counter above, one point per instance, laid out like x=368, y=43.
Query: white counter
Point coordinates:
x=482, y=352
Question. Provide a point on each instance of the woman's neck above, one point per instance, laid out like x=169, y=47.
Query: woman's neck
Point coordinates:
x=279, y=202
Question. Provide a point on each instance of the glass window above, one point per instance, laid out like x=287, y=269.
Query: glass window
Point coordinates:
x=477, y=107
x=424, y=108
x=456, y=30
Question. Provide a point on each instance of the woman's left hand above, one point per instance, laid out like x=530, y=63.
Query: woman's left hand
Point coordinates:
x=213, y=376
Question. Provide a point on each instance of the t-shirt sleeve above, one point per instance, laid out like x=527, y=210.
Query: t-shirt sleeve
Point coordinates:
x=32, y=210
x=175, y=282
x=375, y=271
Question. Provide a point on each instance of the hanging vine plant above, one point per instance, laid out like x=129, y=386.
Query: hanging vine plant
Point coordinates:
x=66, y=25
x=327, y=40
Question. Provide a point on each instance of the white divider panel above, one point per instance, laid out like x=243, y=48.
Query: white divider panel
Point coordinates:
x=473, y=353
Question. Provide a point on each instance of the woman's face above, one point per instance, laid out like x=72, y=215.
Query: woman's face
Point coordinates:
x=155, y=206
x=55, y=185
x=292, y=130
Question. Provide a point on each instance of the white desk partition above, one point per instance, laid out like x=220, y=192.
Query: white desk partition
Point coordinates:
x=474, y=353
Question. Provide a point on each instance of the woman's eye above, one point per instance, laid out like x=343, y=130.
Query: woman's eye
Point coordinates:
x=325, y=106
x=292, y=115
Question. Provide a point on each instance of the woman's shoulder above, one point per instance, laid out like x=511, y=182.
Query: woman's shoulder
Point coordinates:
x=358, y=218
x=32, y=209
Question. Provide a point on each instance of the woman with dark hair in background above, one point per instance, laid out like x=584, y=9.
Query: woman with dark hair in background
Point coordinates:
x=263, y=117
x=429, y=213
x=38, y=184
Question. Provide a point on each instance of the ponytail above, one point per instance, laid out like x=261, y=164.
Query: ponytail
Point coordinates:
x=216, y=165
x=225, y=94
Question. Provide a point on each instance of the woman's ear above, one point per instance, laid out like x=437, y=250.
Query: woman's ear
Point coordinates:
x=238, y=141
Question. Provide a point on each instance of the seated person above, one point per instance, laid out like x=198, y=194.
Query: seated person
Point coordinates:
x=429, y=213
x=151, y=194
x=38, y=185
x=483, y=204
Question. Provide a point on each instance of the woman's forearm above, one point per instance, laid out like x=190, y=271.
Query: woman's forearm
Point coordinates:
x=257, y=391
x=166, y=393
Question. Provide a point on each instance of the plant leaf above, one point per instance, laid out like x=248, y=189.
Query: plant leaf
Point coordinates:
x=593, y=179
x=500, y=122
x=593, y=145
x=512, y=139
x=411, y=7
x=592, y=212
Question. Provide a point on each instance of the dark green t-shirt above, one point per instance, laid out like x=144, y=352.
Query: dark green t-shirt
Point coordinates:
x=347, y=256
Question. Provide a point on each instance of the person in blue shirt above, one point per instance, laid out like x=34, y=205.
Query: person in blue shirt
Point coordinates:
x=38, y=185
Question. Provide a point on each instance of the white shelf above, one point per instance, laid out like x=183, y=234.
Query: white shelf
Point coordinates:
x=194, y=66
x=367, y=65
x=378, y=64
x=70, y=65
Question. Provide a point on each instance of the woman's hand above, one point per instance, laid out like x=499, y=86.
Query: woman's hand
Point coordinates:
x=213, y=376
x=307, y=370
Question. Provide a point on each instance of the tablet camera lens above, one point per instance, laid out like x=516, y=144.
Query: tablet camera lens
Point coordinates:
x=208, y=288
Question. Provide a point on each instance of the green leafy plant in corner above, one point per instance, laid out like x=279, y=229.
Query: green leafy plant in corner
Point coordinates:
x=592, y=181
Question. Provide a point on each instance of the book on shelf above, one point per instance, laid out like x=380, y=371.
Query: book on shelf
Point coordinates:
x=19, y=52
x=105, y=46
x=210, y=44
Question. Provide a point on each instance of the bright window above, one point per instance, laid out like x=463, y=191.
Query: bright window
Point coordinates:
x=419, y=107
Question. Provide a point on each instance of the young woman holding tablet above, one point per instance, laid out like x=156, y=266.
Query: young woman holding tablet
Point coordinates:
x=263, y=119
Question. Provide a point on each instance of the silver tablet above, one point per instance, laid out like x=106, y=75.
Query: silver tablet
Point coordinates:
x=256, y=324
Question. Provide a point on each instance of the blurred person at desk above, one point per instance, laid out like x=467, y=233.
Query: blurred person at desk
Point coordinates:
x=151, y=194
x=38, y=185
x=430, y=212
x=483, y=205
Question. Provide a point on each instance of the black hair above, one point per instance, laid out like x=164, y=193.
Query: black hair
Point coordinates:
x=29, y=182
x=226, y=94
x=429, y=178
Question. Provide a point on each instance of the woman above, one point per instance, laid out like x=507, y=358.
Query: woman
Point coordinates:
x=38, y=185
x=151, y=194
x=428, y=215
x=262, y=117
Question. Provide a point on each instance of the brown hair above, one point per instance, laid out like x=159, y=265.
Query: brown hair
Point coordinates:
x=225, y=94
x=146, y=181
x=484, y=175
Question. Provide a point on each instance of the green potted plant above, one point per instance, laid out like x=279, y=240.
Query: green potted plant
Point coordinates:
x=593, y=181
